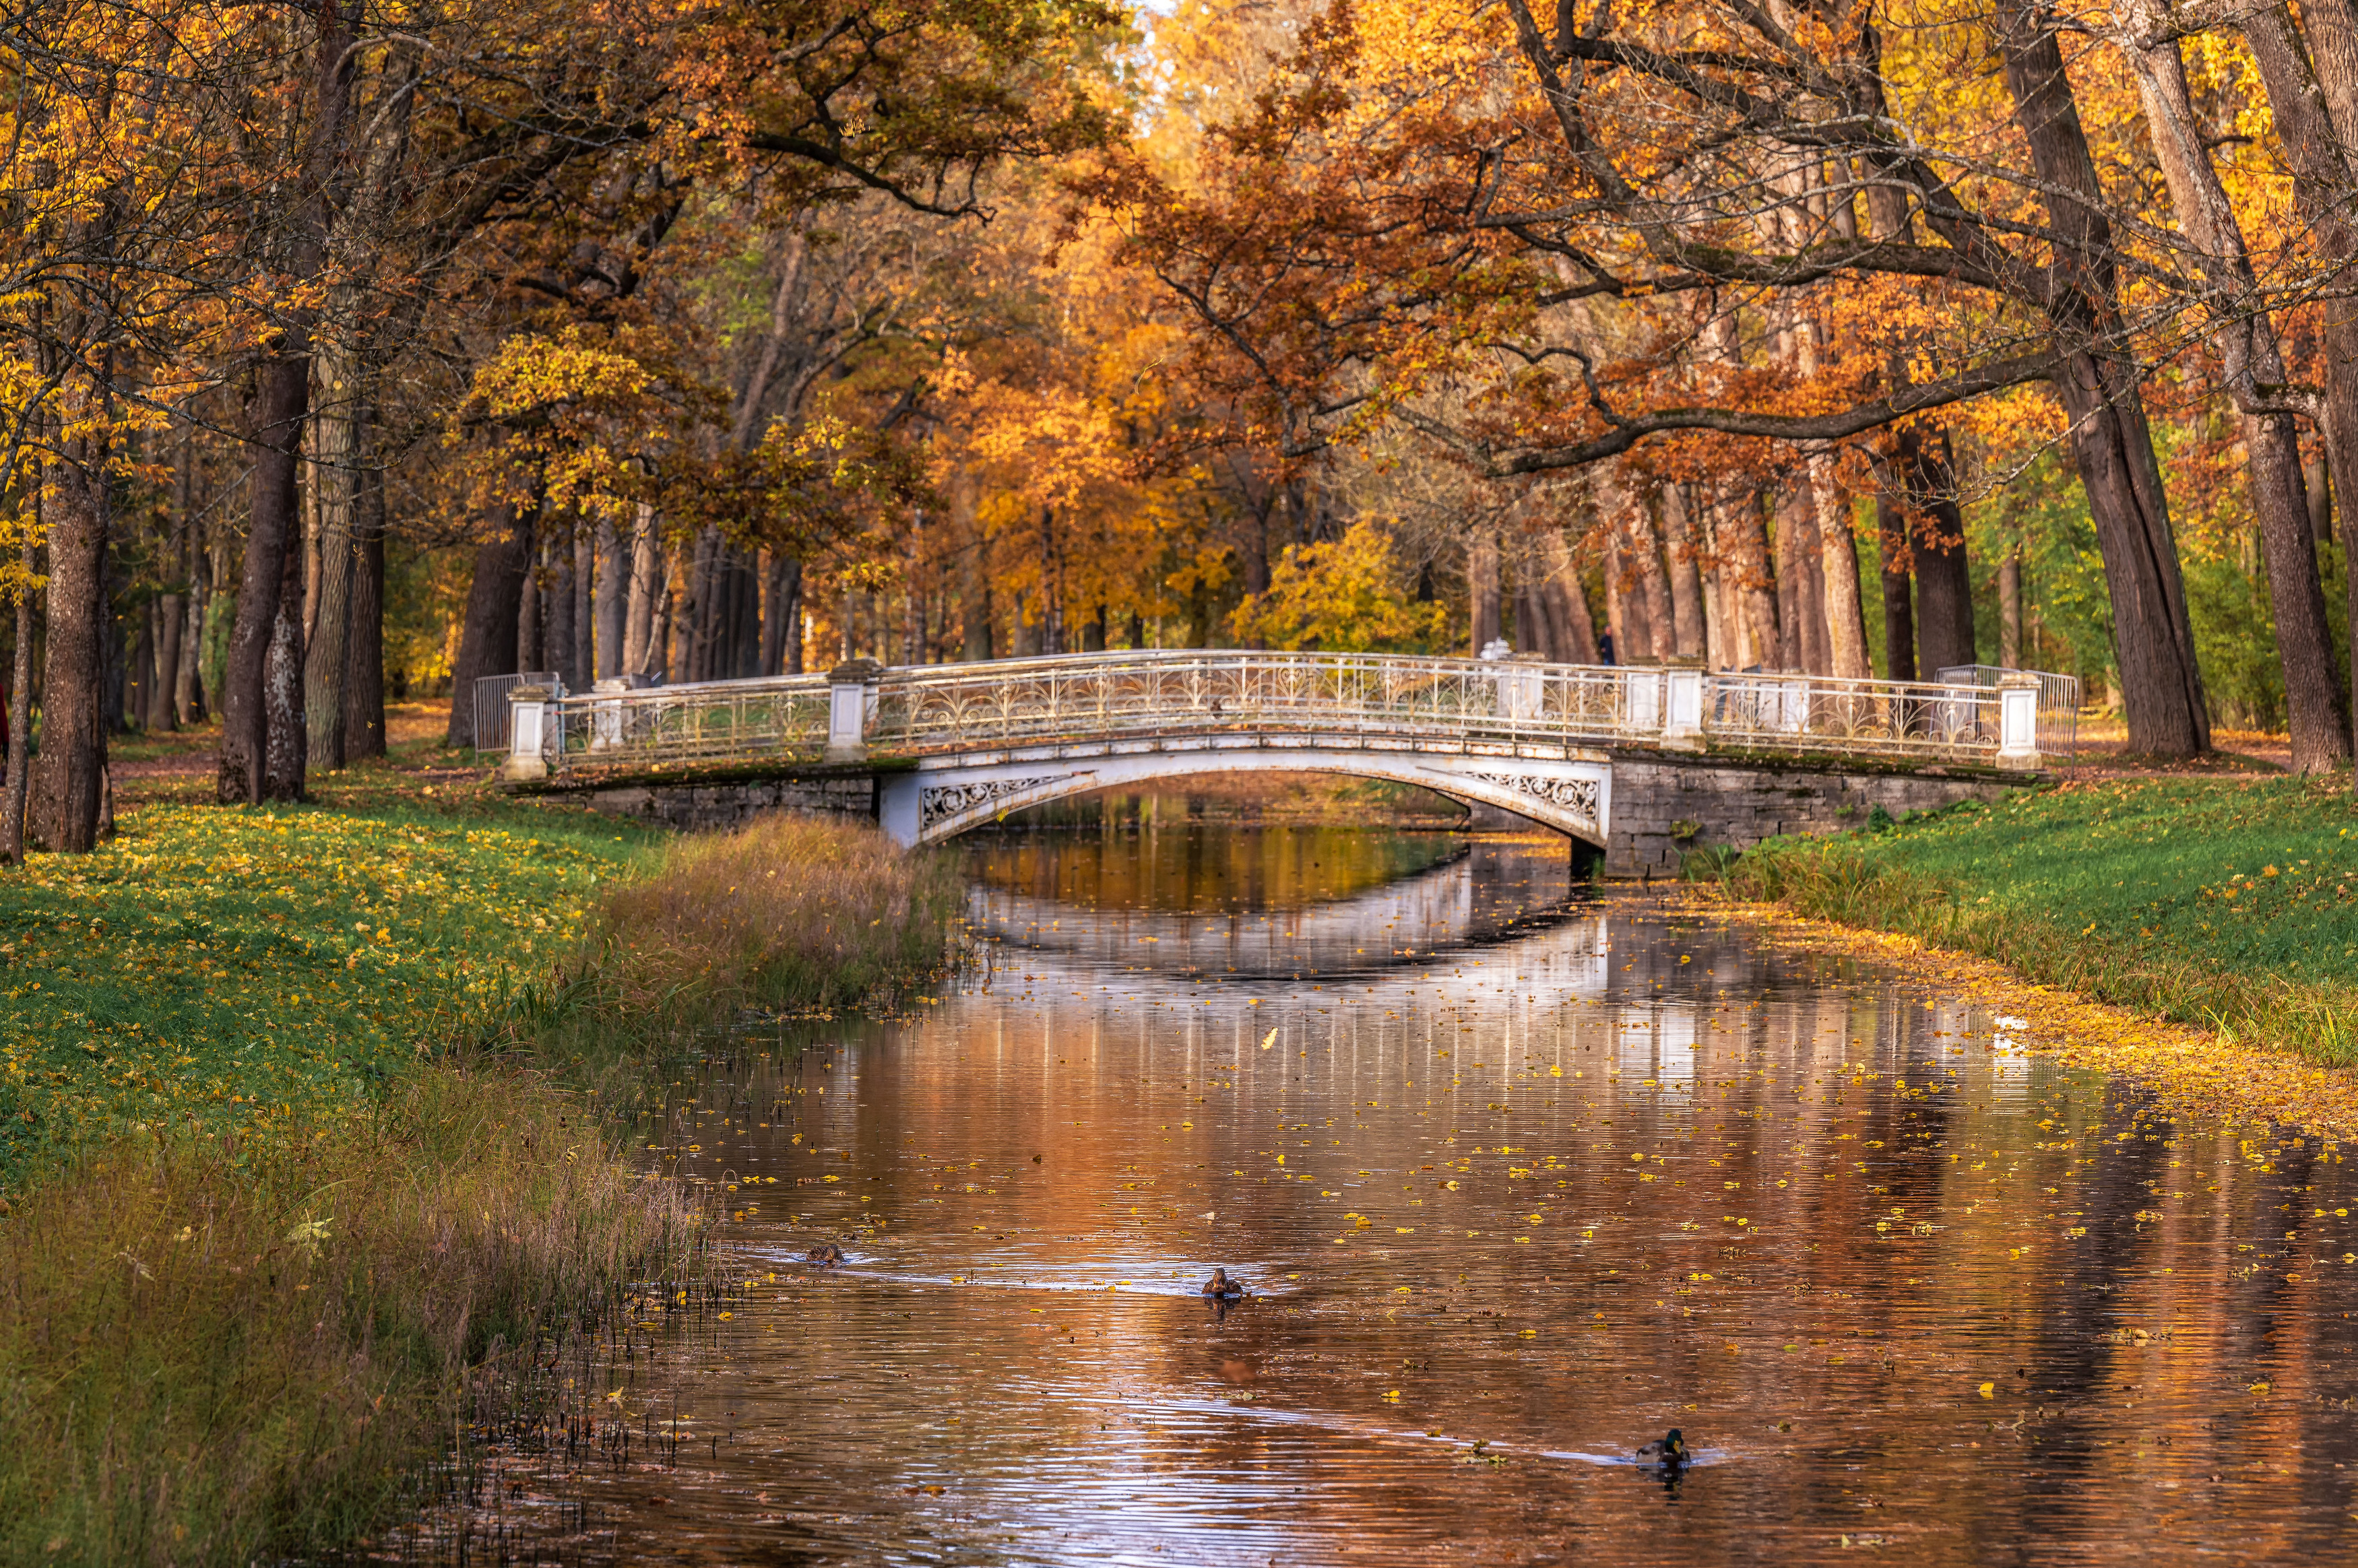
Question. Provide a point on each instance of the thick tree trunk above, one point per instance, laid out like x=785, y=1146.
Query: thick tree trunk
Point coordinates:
x=1568, y=604
x=1899, y=599
x=336, y=470
x=1838, y=572
x=1842, y=616
x=487, y=640
x=1746, y=564
x=2313, y=701
x=579, y=610
x=531, y=636
x=2254, y=373
x=776, y=603
x=273, y=537
x=2153, y=638
x=2009, y=610
x=69, y=785
x=662, y=657
x=640, y=656
x=1645, y=540
x=790, y=616
x=161, y=714
x=364, y=640
x=1682, y=550
x=283, y=396
x=610, y=596
x=561, y=635
x=18, y=781
x=286, y=746
x=2312, y=89
x=1482, y=588
x=1795, y=543
x=1936, y=539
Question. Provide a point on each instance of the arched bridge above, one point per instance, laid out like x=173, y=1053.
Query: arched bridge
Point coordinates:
x=943, y=748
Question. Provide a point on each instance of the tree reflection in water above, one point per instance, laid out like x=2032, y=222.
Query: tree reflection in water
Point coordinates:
x=1518, y=1186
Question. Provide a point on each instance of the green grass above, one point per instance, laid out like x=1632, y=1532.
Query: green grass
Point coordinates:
x=2231, y=905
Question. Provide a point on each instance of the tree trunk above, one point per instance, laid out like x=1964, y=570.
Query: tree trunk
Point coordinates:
x=610, y=596
x=283, y=396
x=18, y=782
x=2255, y=372
x=1898, y=606
x=1482, y=588
x=2313, y=98
x=161, y=714
x=1683, y=550
x=1645, y=542
x=1746, y=566
x=2009, y=610
x=487, y=640
x=287, y=747
x=364, y=636
x=1838, y=572
x=283, y=400
x=2313, y=699
x=661, y=659
x=640, y=655
x=562, y=636
x=1795, y=542
x=2153, y=639
x=190, y=700
x=531, y=636
x=1936, y=538
x=69, y=782
x=1560, y=582
x=336, y=471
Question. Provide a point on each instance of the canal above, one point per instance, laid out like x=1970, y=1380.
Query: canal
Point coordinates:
x=1519, y=1180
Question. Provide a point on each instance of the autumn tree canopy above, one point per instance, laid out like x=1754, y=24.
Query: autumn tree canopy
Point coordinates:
x=359, y=349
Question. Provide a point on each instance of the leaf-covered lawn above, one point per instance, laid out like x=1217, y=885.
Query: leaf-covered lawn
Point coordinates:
x=249, y=969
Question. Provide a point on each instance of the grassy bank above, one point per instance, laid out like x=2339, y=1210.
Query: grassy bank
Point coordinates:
x=308, y=1112
x=2230, y=905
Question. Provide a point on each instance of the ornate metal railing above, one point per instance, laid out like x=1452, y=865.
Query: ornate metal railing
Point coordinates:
x=1366, y=700
x=710, y=722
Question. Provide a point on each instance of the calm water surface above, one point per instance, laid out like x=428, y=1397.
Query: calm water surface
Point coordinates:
x=1519, y=1185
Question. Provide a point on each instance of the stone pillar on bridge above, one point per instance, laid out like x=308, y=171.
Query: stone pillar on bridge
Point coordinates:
x=1682, y=704
x=850, y=697
x=2018, y=721
x=528, y=737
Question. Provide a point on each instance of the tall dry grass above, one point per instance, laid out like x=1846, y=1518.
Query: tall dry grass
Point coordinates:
x=208, y=1360
x=785, y=914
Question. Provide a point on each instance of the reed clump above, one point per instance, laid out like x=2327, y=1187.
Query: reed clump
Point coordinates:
x=2232, y=907
x=787, y=914
x=213, y=1354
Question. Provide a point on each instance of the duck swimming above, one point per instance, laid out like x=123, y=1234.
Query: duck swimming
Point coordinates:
x=1670, y=1454
x=827, y=1255
x=1220, y=1287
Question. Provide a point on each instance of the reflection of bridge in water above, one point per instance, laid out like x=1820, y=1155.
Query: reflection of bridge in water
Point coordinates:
x=934, y=751
x=1486, y=895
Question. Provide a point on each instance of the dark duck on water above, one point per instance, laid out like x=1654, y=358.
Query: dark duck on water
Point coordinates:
x=1220, y=1287
x=1671, y=1454
x=827, y=1255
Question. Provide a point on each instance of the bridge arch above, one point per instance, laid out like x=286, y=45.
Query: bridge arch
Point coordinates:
x=944, y=796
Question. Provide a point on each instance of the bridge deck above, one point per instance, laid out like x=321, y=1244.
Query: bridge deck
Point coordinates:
x=1150, y=697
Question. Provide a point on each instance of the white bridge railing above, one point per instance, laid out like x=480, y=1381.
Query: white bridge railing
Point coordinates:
x=863, y=709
